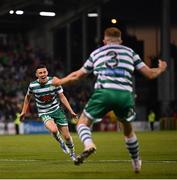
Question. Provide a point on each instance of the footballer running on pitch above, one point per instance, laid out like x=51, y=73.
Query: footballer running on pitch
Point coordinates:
x=48, y=99
x=113, y=64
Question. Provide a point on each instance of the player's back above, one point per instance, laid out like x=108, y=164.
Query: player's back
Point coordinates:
x=113, y=65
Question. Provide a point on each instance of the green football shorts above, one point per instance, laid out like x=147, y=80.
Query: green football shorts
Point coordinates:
x=104, y=100
x=58, y=116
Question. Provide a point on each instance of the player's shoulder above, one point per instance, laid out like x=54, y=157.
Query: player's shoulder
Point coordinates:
x=98, y=50
x=126, y=48
x=34, y=82
x=111, y=46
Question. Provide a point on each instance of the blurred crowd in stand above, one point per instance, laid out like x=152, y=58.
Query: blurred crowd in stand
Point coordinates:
x=17, y=66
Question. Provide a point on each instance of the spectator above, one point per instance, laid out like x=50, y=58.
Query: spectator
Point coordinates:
x=151, y=119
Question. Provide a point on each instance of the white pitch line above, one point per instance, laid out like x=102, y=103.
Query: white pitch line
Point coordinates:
x=17, y=160
x=144, y=161
x=100, y=161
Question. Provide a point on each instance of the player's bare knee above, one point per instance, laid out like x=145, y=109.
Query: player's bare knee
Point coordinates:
x=67, y=137
x=53, y=130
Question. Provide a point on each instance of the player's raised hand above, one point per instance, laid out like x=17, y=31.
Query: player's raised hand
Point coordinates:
x=74, y=115
x=56, y=81
x=74, y=118
x=162, y=65
x=22, y=116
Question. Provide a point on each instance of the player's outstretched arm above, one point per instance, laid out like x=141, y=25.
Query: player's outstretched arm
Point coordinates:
x=74, y=76
x=65, y=102
x=152, y=73
x=25, y=107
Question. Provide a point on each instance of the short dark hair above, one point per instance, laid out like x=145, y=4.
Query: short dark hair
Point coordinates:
x=112, y=32
x=41, y=66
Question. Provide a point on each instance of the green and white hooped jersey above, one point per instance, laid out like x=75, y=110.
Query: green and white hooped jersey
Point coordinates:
x=46, y=96
x=114, y=66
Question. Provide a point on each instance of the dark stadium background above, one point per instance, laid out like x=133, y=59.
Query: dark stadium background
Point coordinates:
x=63, y=43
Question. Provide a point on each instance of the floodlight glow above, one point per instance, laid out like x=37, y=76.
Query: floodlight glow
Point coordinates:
x=114, y=21
x=43, y=13
x=92, y=14
x=19, y=12
x=11, y=11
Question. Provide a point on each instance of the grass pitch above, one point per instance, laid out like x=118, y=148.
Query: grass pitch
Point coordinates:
x=40, y=157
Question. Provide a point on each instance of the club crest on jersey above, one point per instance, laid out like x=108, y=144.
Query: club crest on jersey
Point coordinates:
x=46, y=98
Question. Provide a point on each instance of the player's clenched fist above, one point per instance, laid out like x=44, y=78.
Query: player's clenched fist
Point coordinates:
x=56, y=81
